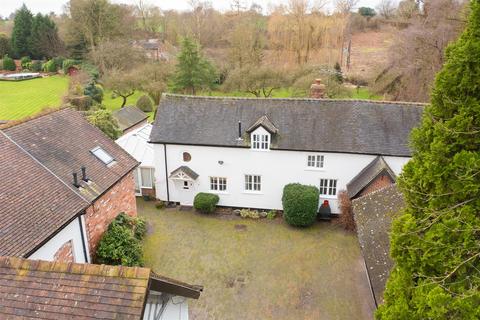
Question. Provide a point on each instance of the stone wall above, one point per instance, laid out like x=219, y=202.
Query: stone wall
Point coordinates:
x=120, y=198
x=65, y=253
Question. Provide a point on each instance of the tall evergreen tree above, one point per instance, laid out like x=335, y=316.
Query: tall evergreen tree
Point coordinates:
x=44, y=41
x=193, y=71
x=22, y=26
x=436, y=242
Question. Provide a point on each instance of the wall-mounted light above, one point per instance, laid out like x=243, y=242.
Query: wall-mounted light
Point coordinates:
x=220, y=162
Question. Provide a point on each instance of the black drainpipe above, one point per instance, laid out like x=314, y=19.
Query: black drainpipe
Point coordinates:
x=166, y=171
x=83, y=239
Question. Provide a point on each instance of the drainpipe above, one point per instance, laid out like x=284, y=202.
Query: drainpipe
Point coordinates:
x=166, y=171
x=85, y=254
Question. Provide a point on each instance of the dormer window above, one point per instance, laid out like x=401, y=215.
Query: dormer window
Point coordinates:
x=260, y=141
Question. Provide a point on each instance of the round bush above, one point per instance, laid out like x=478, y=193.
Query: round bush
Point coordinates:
x=49, y=66
x=205, y=202
x=37, y=66
x=26, y=63
x=144, y=103
x=8, y=63
x=300, y=204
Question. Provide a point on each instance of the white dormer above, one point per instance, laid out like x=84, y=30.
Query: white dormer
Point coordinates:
x=261, y=133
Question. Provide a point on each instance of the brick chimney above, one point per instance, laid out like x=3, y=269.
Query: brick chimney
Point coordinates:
x=317, y=89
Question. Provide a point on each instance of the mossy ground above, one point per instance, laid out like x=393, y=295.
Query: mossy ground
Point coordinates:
x=259, y=269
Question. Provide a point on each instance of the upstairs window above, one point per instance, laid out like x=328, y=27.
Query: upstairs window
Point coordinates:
x=253, y=182
x=218, y=184
x=328, y=187
x=260, y=141
x=102, y=155
x=315, y=161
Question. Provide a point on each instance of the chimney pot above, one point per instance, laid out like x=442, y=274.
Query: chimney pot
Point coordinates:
x=75, y=180
x=317, y=89
x=84, y=174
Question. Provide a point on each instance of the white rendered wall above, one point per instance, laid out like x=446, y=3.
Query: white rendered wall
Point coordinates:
x=70, y=232
x=277, y=169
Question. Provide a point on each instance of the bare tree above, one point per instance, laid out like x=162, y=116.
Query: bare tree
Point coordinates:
x=345, y=6
x=386, y=9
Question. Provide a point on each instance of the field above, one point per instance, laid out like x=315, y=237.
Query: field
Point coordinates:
x=259, y=269
x=24, y=98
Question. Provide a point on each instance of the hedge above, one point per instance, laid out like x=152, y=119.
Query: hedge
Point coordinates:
x=8, y=63
x=300, y=204
x=205, y=202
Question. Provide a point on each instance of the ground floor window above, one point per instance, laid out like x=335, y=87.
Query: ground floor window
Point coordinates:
x=253, y=182
x=328, y=187
x=186, y=185
x=144, y=178
x=218, y=184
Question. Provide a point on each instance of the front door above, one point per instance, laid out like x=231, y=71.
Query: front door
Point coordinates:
x=187, y=193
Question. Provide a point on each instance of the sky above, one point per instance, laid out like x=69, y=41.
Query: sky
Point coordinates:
x=46, y=6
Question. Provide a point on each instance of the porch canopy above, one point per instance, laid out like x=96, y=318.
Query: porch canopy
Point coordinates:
x=183, y=173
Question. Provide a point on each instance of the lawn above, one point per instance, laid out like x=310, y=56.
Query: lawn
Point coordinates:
x=112, y=103
x=19, y=99
x=259, y=269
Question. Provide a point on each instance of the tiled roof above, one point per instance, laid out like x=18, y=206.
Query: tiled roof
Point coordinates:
x=128, y=117
x=62, y=141
x=186, y=170
x=264, y=122
x=368, y=174
x=52, y=290
x=33, y=202
x=373, y=216
x=350, y=126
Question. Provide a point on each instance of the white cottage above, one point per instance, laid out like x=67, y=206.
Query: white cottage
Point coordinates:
x=246, y=150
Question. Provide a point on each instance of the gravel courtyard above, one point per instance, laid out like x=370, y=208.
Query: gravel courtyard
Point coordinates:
x=259, y=269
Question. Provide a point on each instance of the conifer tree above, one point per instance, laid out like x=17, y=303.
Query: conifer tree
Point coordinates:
x=22, y=26
x=436, y=242
x=193, y=71
x=44, y=42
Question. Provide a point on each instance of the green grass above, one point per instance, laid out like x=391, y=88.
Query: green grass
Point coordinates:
x=364, y=94
x=19, y=99
x=259, y=269
x=115, y=103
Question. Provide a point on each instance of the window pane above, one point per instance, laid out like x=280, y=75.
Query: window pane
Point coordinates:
x=147, y=181
x=135, y=176
x=102, y=155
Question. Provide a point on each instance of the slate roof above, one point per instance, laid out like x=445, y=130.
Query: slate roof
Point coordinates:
x=128, y=117
x=33, y=202
x=367, y=175
x=62, y=141
x=55, y=290
x=373, y=214
x=351, y=126
x=264, y=122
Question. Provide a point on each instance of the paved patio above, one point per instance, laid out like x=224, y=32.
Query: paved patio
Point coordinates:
x=259, y=269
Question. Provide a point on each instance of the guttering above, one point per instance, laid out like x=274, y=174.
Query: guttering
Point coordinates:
x=279, y=149
x=84, y=246
x=166, y=170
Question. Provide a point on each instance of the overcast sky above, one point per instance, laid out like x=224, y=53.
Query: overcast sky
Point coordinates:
x=46, y=6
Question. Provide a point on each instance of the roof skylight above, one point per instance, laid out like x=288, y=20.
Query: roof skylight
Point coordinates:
x=102, y=155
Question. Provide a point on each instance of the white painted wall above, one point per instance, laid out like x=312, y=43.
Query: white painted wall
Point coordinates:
x=70, y=232
x=277, y=169
x=176, y=309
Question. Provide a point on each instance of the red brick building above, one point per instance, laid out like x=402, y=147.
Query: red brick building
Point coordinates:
x=63, y=182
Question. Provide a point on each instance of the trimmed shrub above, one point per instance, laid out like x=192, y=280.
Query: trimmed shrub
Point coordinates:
x=300, y=204
x=26, y=63
x=103, y=120
x=145, y=104
x=120, y=244
x=49, y=66
x=205, y=202
x=8, y=63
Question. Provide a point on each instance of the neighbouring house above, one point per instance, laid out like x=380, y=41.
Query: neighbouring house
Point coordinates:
x=63, y=182
x=136, y=143
x=246, y=150
x=154, y=48
x=58, y=290
x=373, y=215
x=130, y=118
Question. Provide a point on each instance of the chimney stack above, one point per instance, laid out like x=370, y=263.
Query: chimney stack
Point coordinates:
x=75, y=180
x=84, y=174
x=317, y=89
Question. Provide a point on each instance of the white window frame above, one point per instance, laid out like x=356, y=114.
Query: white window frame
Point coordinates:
x=315, y=161
x=260, y=141
x=218, y=184
x=253, y=183
x=328, y=187
x=186, y=185
x=140, y=180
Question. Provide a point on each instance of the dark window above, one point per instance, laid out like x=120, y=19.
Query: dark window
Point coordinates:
x=187, y=157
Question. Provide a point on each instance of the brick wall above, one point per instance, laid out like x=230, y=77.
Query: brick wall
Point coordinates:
x=378, y=183
x=120, y=198
x=65, y=253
